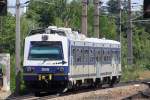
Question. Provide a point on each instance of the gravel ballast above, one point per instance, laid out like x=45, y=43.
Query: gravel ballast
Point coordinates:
x=117, y=93
x=4, y=94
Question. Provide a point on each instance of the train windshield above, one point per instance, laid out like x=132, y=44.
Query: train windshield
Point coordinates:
x=46, y=51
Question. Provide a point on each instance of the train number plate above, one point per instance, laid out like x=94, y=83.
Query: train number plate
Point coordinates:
x=45, y=77
x=45, y=69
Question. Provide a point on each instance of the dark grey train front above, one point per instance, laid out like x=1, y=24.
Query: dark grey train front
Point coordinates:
x=58, y=61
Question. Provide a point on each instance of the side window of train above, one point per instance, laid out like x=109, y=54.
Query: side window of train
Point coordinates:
x=96, y=55
x=112, y=55
x=86, y=56
x=82, y=55
x=104, y=55
x=100, y=54
x=79, y=56
x=91, y=54
x=116, y=53
x=109, y=55
x=118, y=56
x=74, y=55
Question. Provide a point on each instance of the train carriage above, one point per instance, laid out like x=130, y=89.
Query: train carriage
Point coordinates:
x=59, y=58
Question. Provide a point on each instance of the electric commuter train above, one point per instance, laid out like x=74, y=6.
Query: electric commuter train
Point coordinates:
x=56, y=59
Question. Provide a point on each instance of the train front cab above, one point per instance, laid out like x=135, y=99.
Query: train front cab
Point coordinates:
x=46, y=65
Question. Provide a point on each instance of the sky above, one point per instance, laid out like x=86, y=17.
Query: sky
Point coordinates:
x=12, y=3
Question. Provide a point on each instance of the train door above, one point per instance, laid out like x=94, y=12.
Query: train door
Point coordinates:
x=100, y=59
x=72, y=59
x=86, y=60
x=98, y=62
x=91, y=62
x=117, y=61
x=79, y=55
x=114, y=61
x=83, y=64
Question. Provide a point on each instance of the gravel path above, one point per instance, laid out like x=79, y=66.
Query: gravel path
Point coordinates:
x=106, y=94
x=4, y=94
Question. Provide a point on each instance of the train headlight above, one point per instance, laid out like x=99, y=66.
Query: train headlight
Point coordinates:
x=44, y=37
x=28, y=69
x=61, y=69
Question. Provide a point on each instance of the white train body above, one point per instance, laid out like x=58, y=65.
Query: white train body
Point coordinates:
x=67, y=57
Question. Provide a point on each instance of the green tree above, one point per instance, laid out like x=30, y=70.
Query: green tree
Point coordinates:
x=108, y=27
x=113, y=6
x=7, y=37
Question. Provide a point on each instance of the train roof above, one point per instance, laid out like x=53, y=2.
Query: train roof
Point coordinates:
x=72, y=35
x=103, y=40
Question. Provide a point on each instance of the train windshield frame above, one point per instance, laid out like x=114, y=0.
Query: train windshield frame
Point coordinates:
x=46, y=50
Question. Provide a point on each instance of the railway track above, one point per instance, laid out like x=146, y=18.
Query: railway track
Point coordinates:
x=25, y=97
x=45, y=96
x=141, y=95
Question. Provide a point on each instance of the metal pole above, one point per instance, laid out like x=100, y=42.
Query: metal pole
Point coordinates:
x=1, y=33
x=84, y=17
x=96, y=18
x=1, y=23
x=17, y=51
x=119, y=34
x=129, y=36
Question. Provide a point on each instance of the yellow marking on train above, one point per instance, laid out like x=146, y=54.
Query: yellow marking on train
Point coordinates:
x=39, y=77
x=50, y=76
x=43, y=77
